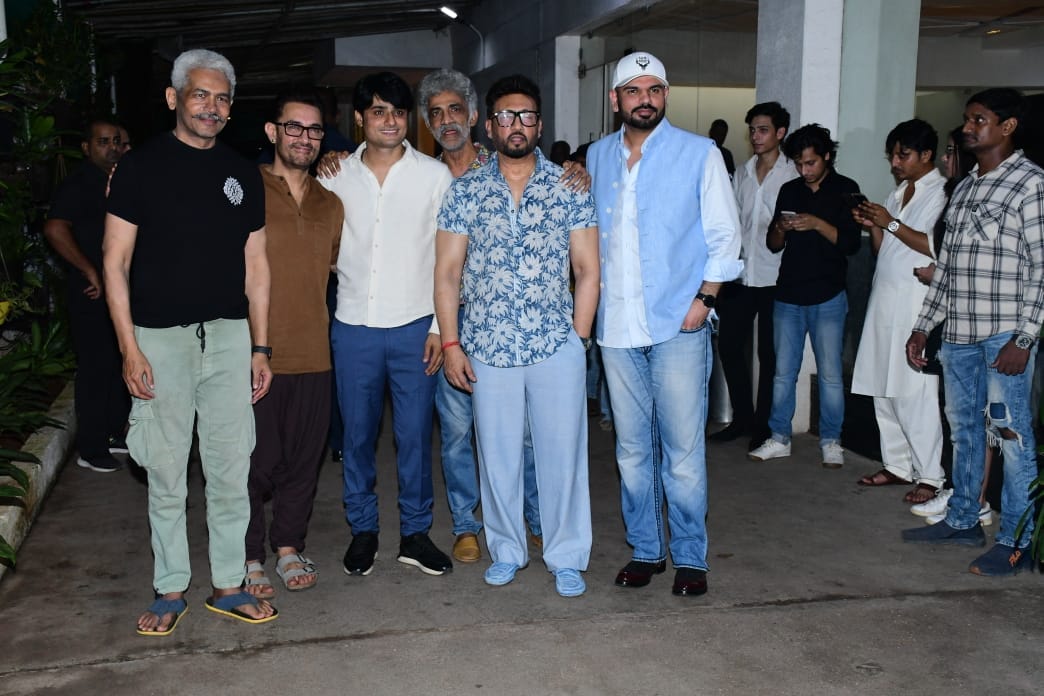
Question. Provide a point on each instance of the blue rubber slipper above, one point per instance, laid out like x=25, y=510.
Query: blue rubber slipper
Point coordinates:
x=227, y=606
x=177, y=607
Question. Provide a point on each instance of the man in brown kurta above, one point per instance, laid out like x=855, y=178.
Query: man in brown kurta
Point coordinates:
x=304, y=230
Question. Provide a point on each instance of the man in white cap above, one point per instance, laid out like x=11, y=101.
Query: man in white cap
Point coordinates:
x=669, y=236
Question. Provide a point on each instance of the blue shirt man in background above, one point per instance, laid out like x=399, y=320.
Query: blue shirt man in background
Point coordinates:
x=669, y=236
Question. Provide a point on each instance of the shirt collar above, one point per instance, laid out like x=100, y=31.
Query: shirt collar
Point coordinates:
x=1008, y=162
x=660, y=127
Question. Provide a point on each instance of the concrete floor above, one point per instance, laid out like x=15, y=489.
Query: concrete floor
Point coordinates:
x=811, y=592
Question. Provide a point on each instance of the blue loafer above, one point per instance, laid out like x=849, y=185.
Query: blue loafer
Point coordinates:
x=500, y=574
x=942, y=533
x=1001, y=560
x=569, y=583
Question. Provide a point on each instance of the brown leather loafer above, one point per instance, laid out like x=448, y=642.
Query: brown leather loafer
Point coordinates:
x=466, y=548
x=689, y=582
x=639, y=573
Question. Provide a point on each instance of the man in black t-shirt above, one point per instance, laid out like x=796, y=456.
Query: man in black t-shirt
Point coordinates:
x=74, y=228
x=814, y=229
x=190, y=213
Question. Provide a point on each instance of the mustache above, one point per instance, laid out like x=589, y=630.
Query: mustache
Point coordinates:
x=210, y=116
x=644, y=106
x=450, y=128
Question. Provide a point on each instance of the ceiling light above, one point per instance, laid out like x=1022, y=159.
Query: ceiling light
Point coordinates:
x=448, y=12
x=991, y=32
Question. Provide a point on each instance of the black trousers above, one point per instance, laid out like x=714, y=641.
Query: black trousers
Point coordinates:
x=738, y=306
x=291, y=423
x=102, y=400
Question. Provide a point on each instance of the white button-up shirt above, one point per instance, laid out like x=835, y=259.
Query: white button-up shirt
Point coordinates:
x=386, y=263
x=757, y=204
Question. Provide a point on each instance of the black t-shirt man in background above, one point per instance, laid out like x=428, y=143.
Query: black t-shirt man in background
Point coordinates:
x=74, y=228
x=190, y=213
x=814, y=229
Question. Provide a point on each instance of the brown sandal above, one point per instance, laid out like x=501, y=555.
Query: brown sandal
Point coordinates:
x=921, y=494
x=884, y=477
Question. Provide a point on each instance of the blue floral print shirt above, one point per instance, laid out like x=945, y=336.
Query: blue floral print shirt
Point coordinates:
x=516, y=276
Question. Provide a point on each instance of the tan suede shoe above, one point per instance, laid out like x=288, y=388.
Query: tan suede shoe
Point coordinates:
x=466, y=548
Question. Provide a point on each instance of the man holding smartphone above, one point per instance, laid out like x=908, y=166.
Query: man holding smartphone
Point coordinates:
x=814, y=229
x=906, y=401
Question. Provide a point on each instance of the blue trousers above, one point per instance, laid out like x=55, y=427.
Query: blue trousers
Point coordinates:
x=659, y=396
x=367, y=360
x=974, y=388
x=551, y=395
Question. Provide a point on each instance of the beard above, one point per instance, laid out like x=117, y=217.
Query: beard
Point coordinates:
x=643, y=123
x=462, y=138
x=508, y=149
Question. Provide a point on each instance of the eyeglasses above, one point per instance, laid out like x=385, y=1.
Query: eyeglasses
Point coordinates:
x=295, y=129
x=506, y=118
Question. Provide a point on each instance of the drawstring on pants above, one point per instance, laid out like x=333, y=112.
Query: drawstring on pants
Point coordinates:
x=201, y=334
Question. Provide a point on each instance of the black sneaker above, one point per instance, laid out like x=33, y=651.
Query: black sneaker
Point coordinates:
x=117, y=445
x=358, y=559
x=418, y=550
x=104, y=464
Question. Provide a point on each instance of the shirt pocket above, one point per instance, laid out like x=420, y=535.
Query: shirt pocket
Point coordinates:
x=985, y=222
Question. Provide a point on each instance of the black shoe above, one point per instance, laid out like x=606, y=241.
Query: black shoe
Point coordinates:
x=358, y=559
x=689, y=582
x=104, y=464
x=639, y=573
x=418, y=550
x=117, y=445
x=730, y=432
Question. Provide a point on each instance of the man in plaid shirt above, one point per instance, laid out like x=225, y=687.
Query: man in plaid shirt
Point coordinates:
x=989, y=287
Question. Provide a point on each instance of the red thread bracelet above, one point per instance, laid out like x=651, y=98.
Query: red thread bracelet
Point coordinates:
x=450, y=344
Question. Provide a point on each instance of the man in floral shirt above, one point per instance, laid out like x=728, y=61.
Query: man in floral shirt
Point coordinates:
x=513, y=231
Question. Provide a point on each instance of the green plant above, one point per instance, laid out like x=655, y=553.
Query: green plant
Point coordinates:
x=31, y=364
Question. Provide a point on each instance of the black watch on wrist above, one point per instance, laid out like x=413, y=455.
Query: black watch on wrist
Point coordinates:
x=1022, y=342
x=707, y=300
x=586, y=342
x=264, y=350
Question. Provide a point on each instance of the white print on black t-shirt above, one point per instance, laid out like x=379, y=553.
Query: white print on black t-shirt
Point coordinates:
x=233, y=190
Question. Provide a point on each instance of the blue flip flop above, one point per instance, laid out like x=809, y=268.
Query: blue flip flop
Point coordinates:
x=227, y=604
x=177, y=607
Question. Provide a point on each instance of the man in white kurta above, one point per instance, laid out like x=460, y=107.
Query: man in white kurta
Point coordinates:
x=906, y=402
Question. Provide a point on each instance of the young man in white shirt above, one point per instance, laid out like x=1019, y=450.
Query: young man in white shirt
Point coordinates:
x=751, y=296
x=384, y=334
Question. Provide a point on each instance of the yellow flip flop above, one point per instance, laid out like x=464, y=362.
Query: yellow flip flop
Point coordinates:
x=177, y=607
x=227, y=604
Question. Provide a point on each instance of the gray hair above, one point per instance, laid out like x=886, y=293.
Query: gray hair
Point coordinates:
x=445, y=80
x=201, y=59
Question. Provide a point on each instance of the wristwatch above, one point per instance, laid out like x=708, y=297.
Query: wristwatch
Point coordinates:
x=586, y=342
x=1022, y=341
x=707, y=300
x=263, y=350
x=893, y=226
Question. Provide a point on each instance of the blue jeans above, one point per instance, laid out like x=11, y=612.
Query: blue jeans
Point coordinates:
x=456, y=418
x=974, y=388
x=367, y=360
x=824, y=323
x=659, y=396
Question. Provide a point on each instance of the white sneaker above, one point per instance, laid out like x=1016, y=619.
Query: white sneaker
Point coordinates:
x=833, y=455
x=770, y=449
x=985, y=516
x=935, y=506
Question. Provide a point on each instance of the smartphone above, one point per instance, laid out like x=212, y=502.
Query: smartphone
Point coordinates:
x=853, y=200
x=787, y=213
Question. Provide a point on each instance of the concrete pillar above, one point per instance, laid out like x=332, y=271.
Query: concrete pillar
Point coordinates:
x=567, y=87
x=878, y=83
x=851, y=67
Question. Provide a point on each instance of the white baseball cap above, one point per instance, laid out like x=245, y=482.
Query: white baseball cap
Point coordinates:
x=637, y=65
